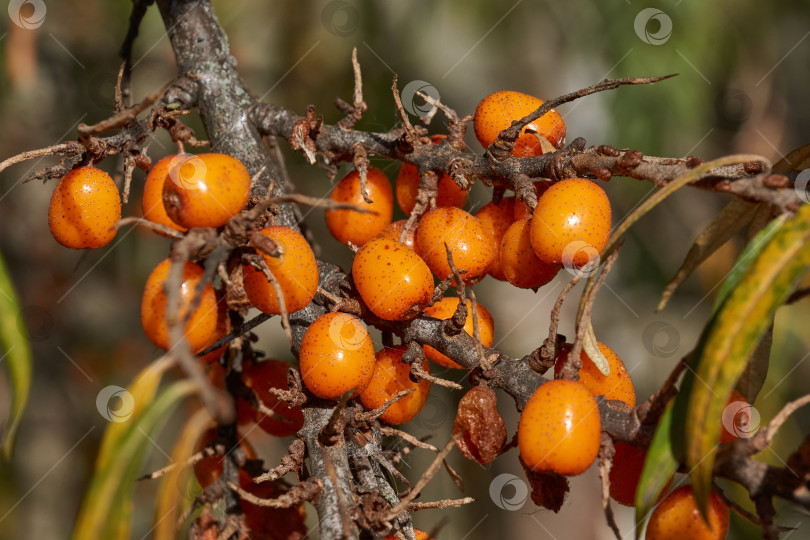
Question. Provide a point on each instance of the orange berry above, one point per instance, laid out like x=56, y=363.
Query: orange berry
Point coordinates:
x=559, y=430
x=618, y=385
x=153, y=208
x=678, y=517
x=520, y=265
x=223, y=328
x=295, y=270
x=571, y=223
x=260, y=377
x=391, y=376
x=208, y=469
x=521, y=210
x=84, y=207
x=201, y=326
x=205, y=190
x=394, y=231
x=336, y=355
x=497, y=218
x=392, y=280
x=444, y=309
x=359, y=227
x=408, y=180
x=737, y=414
x=497, y=111
x=628, y=463
x=467, y=238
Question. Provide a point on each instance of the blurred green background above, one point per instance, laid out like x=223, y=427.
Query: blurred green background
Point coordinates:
x=742, y=88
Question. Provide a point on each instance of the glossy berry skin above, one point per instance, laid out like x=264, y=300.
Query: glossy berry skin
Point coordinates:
x=618, y=385
x=408, y=180
x=741, y=419
x=444, y=309
x=467, y=238
x=572, y=214
x=336, y=355
x=497, y=111
x=520, y=265
x=295, y=270
x=359, y=227
x=84, y=207
x=200, y=330
x=394, y=232
x=223, y=328
x=497, y=218
x=559, y=430
x=392, y=280
x=153, y=208
x=678, y=517
x=208, y=469
x=205, y=190
x=260, y=377
x=391, y=376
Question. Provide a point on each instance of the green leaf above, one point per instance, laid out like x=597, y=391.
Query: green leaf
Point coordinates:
x=106, y=511
x=659, y=467
x=756, y=370
x=16, y=357
x=731, y=220
x=744, y=313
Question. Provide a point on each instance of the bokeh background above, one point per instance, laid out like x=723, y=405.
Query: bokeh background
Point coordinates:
x=742, y=87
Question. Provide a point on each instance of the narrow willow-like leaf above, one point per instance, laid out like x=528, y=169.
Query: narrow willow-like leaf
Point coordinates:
x=731, y=337
x=171, y=499
x=659, y=467
x=106, y=511
x=736, y=215
x=16, y=357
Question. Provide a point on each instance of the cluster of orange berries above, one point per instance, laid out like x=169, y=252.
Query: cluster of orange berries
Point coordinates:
x=393, y=270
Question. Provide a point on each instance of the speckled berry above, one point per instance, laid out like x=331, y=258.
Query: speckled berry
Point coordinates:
x=520, y=265
x=560, y=428
x=392, y=376
x=360, y=227
x=408, y=180
x=153, y=208
x=336, y=355
x=201, y=327
x=618, y=385
x=84, y=207
x=205, y=190
x=295, y=270
x=467, y=238
x=394, y=232
x=392, y=280
x=497, y=111
x=497, y=218
x=571, y=223
x=678, y=517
